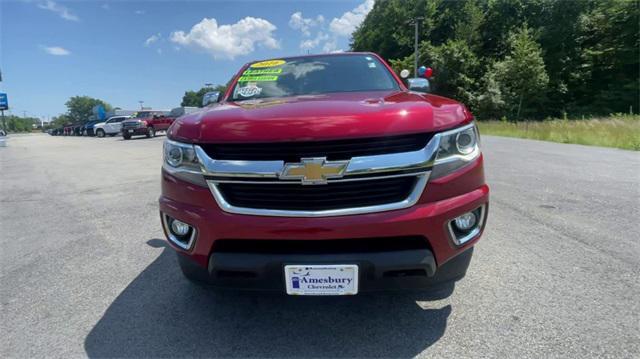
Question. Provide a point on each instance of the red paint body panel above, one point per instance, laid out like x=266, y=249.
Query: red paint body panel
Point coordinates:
x=320, y=117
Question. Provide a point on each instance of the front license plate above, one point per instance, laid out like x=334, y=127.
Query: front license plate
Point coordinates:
x=330, y=279
x=130, y=131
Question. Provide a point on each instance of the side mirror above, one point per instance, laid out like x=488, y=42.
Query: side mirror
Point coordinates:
x=418, y=84
x=210, y=97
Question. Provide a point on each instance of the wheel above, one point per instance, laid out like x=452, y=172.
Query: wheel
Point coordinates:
x=193, y=272
x=126, y=136
x=151, y=132
x=100, y=133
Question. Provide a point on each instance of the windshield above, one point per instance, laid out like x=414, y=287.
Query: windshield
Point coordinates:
x=313, y=75
x=143, y=114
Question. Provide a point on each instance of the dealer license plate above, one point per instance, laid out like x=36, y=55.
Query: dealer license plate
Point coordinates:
x=321, y=279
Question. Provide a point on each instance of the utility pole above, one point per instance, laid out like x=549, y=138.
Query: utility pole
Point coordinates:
x=4, y=123
x=415, y=22
x=141, y=102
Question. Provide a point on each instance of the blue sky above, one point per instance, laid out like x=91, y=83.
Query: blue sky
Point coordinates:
x=153, y=51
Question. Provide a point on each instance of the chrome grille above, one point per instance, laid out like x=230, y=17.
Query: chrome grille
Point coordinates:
x=366, y=184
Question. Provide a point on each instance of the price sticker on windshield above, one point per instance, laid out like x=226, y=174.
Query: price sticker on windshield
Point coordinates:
x=268, y=63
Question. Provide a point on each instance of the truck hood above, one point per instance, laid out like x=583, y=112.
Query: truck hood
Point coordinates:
x=320, y=117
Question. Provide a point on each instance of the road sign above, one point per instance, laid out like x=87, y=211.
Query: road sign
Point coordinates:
x=4, y=103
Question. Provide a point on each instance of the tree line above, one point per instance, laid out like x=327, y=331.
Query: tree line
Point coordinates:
x=517, y=58
x=12, y=123
x=80, y=110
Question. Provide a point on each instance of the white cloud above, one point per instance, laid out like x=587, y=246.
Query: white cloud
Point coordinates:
x=299, y=22
x=56, y=50
x=331, y=46
x=313, y=43
x=139, y=12
x=106, y=6
x=153, y=38
x=62, y=11
x=228, y=41
x=346, y=24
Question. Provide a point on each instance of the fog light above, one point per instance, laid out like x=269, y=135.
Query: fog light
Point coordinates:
x=179, y=228
x=466, y=221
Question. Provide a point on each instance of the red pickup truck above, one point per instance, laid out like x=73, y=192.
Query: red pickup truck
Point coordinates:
x=324, y=175
x=146, y=123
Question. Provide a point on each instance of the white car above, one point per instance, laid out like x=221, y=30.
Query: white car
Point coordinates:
x=110, y=127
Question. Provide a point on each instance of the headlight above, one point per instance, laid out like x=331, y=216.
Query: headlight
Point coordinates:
x=457, y=148
x=181, y=161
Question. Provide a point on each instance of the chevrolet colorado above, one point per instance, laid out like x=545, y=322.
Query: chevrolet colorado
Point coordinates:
x=324, y=175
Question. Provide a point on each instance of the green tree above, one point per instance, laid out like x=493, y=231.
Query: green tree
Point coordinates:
x=586, y=59
x=61, y=120
x=457, y=68
x=522, y=73
x=489, y=103
x=610, y=43
x=194, y=98
x=80, y=108
x=503, y=17
x=20, y=124
x=458, y=20
x=386, y=30
x=561, y=52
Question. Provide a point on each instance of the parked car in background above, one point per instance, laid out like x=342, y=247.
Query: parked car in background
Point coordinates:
x=146, y=123
x=76, y=129
x=111, y=126
x=67, y=130
x=87, y=128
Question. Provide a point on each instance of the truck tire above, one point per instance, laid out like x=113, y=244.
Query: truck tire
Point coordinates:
x=151, y=132
x=126, y=136
x=100, y=133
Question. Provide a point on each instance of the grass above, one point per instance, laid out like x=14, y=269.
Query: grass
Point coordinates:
x=619, y=131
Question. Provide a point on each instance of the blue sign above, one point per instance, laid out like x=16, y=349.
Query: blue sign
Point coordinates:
x=99, y=112
x=4, y=103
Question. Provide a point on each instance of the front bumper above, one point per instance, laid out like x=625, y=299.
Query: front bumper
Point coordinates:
x=444, y=199
x=378, y=271
x=137, y=131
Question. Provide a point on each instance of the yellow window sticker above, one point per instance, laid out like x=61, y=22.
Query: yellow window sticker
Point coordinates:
x=269, y=63
x=262, y=71
x=257, y=78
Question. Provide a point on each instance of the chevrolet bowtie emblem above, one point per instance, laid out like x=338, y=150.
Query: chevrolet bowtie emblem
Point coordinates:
x=314, y=170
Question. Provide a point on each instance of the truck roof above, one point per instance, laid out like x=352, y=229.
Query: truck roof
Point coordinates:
x=345, y=53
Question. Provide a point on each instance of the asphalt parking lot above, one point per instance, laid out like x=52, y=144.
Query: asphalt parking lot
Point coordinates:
x=85, y=270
